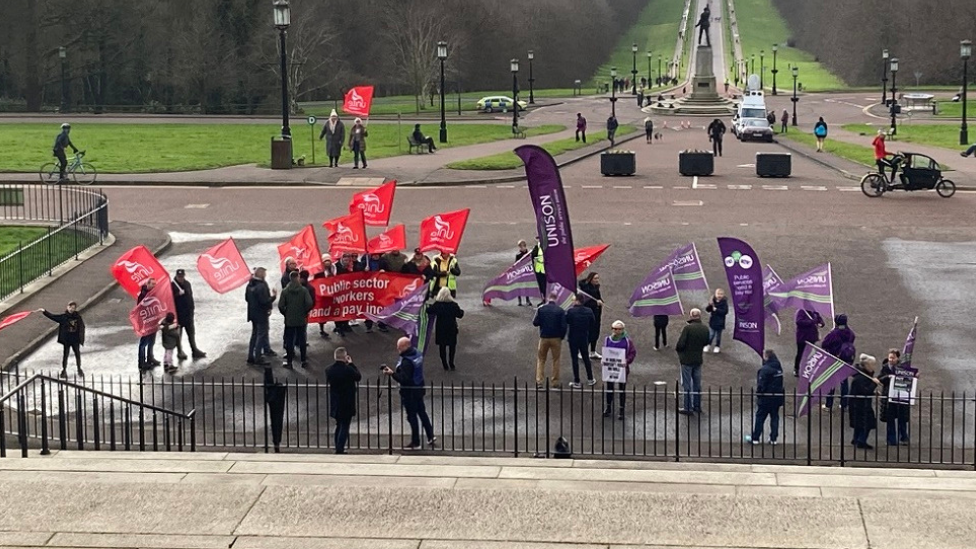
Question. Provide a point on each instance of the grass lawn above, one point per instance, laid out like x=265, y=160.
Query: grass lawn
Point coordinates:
x=937, y=135
x=12, y=236
x=655, y=30
x=508, y=160
x=760, y=26
x=856, y=153
x=141, y=148
x=406, y=105
x=35, y=261
x=948, y=109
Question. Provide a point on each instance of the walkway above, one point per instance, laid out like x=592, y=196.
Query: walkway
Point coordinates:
x=259, y=501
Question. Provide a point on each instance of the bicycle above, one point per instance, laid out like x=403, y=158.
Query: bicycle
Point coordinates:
x=918, y=173
x=82, y=173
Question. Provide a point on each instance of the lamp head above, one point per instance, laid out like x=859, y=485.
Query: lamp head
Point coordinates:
x=884, y=53
x=894, y=64
x=795, y=70
x=282, y=14
x=965, y=50
x=531, y=55
x=633, y=48
x=613, y=72
x=442, y=50
x=514, y=65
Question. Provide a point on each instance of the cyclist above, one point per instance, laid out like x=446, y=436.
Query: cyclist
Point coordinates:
x=60, y=143
x=880, y=154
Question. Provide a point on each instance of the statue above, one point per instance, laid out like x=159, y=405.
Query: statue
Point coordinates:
x=703, y=23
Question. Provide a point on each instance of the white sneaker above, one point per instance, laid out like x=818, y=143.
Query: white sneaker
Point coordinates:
x=749, y=439
x=707, y=348
x=717, y=349
x=773, y=442
x=596, y=355
x=574, y=385
x=591, y=382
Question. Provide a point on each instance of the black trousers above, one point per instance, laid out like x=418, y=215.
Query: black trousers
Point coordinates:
x=540, y=279
x=413, y=403
x=445, y=350
x=342, y=434
x=430, y=144
x=660, y=336
x=595, y=333
x=68, y=347
x=622, y=387
x=296, y=335
x=191, y=335
x=577, y=348
x=800, y=347
x=717, y=146
x=581, y=134
x=62, y=161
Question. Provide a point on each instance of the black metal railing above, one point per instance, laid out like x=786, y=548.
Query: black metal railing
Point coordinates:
x=518, y=419
x=73, y=219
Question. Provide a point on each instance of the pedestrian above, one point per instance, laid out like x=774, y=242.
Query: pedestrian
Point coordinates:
x=394, y=261
x=328, y=271
x=539, y=268
x=421, y=139
x=183, y=298
x=618, y=339
x=896, y=414
x=357, y=143
x=690, y=348
x=373, y=263
x=727, y=86
x=661, y=331
x=409, y=373
x=334, y=134
x=294, y=305
x=71, y=335
x=640, y=97
x=259, y=299
x=612, y=128
x=970, y=151
x=784, y=121
x=807, y=331
x=170, y=331
x=820, y=132
x=419, y=264
x=148, y=341
x=719, y=309
x=551, y=321
x=840, y=343
x=347, y=264
x=716, y=132
x=579, y=322
x=594, y=300
x=770, y=397
x=61, y=142
x=290, y=265
x=771, y=118
x=861, y=407
x=580, y=127
x=446, y=313
x=342, y=377
x=648, y=130
x=523, y=249
x=880, y=154
x=446, y=270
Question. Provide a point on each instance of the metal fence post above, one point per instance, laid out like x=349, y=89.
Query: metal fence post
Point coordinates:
x=22, y=423
x=45, y=450
x=677, y=421
x=809, y=427
x=389, y=420
x=517, y=419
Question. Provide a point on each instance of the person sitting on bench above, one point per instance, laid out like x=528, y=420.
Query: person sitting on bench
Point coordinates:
x=418, y=138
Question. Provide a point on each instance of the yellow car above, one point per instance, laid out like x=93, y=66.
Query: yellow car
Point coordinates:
x=498, y=103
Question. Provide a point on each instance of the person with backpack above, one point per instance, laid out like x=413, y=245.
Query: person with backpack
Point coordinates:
x=820, y=132
x=840, y=343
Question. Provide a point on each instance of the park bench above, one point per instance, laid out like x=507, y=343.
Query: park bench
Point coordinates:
x=414, y=146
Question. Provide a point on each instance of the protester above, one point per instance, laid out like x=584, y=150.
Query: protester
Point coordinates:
x=342, y=377
x=71, y=335
x=373, y=263
x=183, y=298
x=409, y=374
x=771, y=118
x=394, y=261
x=693, y=339
x=770, y=397
x=523, y=249
x=716, y=132
x=446, y=313
x=328, y=271
x=784, y=121
x=147, y=342
x=347, y=264
x=294, y=305
x=719, y=308
x=861, y=407
x=419, y=265
x=580, y=127
x=446, y=270
x=421, y=139
x=259, y=303
x=539, y=267
x=580, y=321
x=840, y=343
x=648, y=130
x=290, y=265
x=594, y=300
x=61, y=142
x=170, y=332
x=551, y=321
x=896, y=415
x=820, y=132
x=334, y=134
x=612, y=125
x=357, y=143
x=618, y=339
x=807, y=324
x=661, y=331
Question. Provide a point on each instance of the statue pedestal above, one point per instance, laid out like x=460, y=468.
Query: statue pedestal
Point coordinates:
x=703, y=86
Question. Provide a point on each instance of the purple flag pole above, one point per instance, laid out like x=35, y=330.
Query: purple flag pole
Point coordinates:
x=745, y=284
x=820, y=372
x=812, y=290
x=770, y=281
x=656, y=295
x=552, y=215
x=517, y=281
x=686, y=269
x=906, y=354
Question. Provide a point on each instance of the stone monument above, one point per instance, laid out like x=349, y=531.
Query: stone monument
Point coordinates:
x=703, y=87
x=704, y=97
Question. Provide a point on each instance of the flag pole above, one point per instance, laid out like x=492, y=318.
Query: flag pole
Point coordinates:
x=830, y=274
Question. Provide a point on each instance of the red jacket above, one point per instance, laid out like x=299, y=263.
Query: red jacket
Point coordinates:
x=879, y=147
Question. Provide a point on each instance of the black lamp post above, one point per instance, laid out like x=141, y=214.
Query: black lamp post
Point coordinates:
x=894, y=96
x=796, y=72
x=659, y=75
x=531, y=79
x=515, y=90
x=613, y=92
x=633, y=79
x=752, y=69
x=650, y=74
x=775, y=48
x=965, y=52
x=762, y=70
x=63, y=55
x=282, y=20
x=884, y=76
x=442, y=55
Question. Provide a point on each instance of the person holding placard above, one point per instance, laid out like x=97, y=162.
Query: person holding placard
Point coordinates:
x=619, y=353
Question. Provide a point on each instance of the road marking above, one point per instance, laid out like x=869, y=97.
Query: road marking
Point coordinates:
x=196, y=206
x=680, y=187
x=655, y=187
x=361, y=181
x=628, y=223
x=513, y=186
x=743, y=224
x=740, y=187
x=476, y=186
x=694, y=183
x=707, y=187
x=592, y=186
x=746, y=166
x=687, y=203
x=848, y=189
x=622, y=187
x=813, y=188
x=775, y=188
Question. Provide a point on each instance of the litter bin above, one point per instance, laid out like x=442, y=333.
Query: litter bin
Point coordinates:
x=280, y=154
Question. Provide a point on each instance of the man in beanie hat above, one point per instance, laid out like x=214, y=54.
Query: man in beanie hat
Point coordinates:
x=334, y=134
x=840, y=343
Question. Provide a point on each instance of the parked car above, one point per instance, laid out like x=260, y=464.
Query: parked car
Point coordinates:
x=752, y=128
x=498, y=103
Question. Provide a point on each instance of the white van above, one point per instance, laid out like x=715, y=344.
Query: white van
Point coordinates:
x=751, y=114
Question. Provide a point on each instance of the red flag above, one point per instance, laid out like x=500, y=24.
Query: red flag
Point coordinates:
x=584, y=257
x=347, y=233
x=223, y=267
x=394, y=239
x=358, y=100
x=443, y=231
x=135, y=267
x=304, y=249
x=16, y=317
x=148, y=313
x=376, y=204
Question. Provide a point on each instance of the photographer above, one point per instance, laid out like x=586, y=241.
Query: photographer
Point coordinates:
x=409, y=374
x=342, y=378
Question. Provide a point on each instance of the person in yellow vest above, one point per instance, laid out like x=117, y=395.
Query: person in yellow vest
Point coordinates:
x=446, y=271
x=539, y=268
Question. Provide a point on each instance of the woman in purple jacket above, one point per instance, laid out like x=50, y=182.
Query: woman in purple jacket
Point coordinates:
x=840, y=343
x=618, y=339
x=807, y=324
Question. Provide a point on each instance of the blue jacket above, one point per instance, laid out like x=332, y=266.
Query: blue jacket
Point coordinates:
x=409, y=371
x=551, y=320
x=719, y=310
x=769, y=384
x=580, y=320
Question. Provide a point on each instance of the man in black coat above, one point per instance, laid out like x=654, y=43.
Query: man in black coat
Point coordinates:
x=342, y=378
x=580, y=320
x=259, y=304
x=71, y=335
x=716, y=131
x=183, y=298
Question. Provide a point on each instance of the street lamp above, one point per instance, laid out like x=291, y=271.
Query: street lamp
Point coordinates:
x=515, y=90
x=659, y=69
x=752, y=70
x=63, y=55
x=613, y=92
x=965, y=52
x=894, y=97
x=282, y=20
x=650, y=74
x=796, y=72
x=775, y=48
x=633, y=80
x=442, y=55
x=762, y=70
x=531, y=79
x=884, y=76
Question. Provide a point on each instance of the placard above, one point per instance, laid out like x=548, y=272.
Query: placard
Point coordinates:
x=903, y=387
x=614, y=365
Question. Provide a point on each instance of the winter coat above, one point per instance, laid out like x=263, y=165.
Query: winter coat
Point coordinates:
x=860, y=404
x=357, y=138
x=71, y=327
x=661, y=321
x=719, y=310
x=342, y=378
x=333, y=138
x=807, y=323
x=716, y=129
x=551, y=320
x=840, y=343
x=446, y=315
x=580, y=322
x=593, y=291
x=394, y=262
x=896, y=410
x=409, y=373
x=184, y=302
x=171, y=335
x=770, y=392
x=294, y=305
x=691, y=342
x=625, y=342
x=612, y=124
x=259, y=300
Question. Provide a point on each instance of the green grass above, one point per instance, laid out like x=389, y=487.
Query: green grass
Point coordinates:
x=35, y=261
x=405, y=104
x=948, y=109
x=761, y=26
x=13, y=236
x=656, y=29
x=936, y=135
x=855, y=153
x=142, y=148
x=508, y=160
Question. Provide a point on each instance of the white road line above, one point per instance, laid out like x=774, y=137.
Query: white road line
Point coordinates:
x=513, y=186
x=592, y=186
x=848, y=189
x=622, y=187
x=476, y=186
x=628, y=223
x=743, y=224
x=740, y=187
x=746, y=166
x=707, y=187
x=694, y=183
x=775, y=188
x=687, y=203
x=813, y=188
x=655, y=187
x=196, y=206
x=680, y=187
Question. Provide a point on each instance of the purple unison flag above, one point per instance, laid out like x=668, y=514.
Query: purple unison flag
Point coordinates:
x=770, y=281
x=403, y=314
x=745, y=284
x=812, y=290
x=517, y=281
x=686, y=269
x=551, y=214
x=906, y=354
x=656, y=295
x=820, y=372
